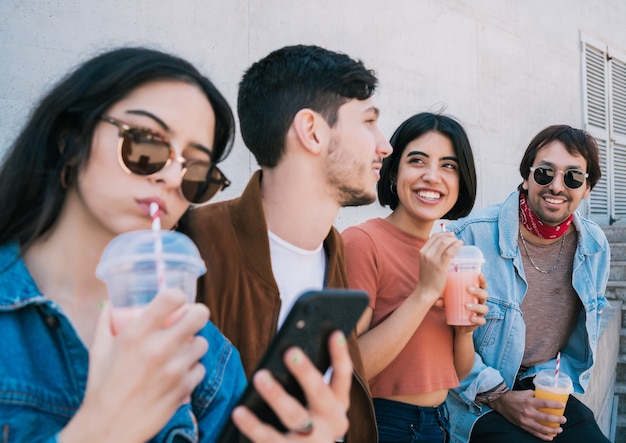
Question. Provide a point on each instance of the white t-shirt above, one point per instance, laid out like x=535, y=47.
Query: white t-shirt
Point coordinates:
x=295, y=270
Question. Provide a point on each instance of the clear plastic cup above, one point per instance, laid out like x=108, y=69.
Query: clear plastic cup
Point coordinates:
x=550, y=387
x=129, y=268
x=463, y=272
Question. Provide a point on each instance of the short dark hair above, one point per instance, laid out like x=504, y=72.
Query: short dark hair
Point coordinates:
x=576, y=141
x=275, y=88
x=60, y=130
x=414, y=127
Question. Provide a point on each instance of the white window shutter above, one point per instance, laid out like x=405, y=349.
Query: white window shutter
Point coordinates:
x=595, y=87
x=617, y=98
x=599, y=200
x=596, y=116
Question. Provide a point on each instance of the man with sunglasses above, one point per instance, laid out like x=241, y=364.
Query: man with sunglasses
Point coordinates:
x=308, y=116
x=547, y=269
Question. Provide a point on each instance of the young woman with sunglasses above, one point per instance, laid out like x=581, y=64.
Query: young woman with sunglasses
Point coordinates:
x=125, y=129
x=411, y=356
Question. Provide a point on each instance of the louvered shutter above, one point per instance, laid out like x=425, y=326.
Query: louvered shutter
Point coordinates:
x=596, y=115
x=617, y=98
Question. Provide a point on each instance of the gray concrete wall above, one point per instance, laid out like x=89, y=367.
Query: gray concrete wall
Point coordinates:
x=505, y=68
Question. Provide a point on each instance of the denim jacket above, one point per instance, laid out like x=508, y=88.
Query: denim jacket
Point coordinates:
x=44, y=366
x=499, y=344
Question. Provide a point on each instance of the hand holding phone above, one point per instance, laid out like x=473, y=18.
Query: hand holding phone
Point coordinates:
x=309, y=324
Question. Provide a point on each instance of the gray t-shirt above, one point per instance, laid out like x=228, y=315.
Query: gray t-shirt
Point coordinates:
x=551, y=305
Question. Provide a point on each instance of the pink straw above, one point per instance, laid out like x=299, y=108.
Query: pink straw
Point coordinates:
x=556, y=371
x=158, y=245
x=443, y=227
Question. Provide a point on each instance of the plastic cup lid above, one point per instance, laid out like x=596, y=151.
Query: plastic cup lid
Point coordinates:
x=468, y=254
x=548, y=378
x=139, y=246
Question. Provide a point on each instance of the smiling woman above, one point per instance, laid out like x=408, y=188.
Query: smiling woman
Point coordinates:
x=411, y=356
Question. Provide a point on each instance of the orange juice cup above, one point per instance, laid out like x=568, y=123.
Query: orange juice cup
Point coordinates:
x=549, y=386
x=463, y=272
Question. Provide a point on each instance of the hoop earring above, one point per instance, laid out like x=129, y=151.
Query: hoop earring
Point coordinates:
x=392, y=189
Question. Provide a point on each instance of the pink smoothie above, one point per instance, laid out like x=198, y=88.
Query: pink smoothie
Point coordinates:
x=455, y=296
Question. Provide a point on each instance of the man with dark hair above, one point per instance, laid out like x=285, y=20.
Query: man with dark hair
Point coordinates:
x=308, y=116
x=547, y=269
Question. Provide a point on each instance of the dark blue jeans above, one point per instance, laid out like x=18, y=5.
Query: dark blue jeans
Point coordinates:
x=404, y=423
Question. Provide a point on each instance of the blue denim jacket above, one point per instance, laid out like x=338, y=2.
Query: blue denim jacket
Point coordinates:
x=500, y=343
x=44, y=365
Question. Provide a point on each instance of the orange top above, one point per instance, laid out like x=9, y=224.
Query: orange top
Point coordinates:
x=384, y=261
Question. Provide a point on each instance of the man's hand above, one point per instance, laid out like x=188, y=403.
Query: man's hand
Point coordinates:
x=522, y=409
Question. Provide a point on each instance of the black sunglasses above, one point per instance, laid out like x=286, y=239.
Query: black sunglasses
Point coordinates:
x=142, y=151
x=573, y=178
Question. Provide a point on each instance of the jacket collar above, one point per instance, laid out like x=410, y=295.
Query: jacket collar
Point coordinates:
x=17, y=287
x=254, y=239
x=248, y=220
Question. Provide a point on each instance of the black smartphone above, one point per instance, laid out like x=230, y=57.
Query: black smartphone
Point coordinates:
x=314, y=316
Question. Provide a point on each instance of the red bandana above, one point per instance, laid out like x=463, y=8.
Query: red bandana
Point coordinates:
x=536, y=226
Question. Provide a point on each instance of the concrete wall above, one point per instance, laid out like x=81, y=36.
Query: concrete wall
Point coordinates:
x=505, y=68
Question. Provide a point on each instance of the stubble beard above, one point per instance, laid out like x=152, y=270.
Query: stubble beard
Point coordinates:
x=345, y=180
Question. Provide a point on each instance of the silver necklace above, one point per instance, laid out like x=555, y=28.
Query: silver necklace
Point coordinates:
x=533, y=262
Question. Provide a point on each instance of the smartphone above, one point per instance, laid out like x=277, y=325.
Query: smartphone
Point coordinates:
x=314, y=316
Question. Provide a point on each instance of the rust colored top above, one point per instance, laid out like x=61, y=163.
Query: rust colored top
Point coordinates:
x=384, y=261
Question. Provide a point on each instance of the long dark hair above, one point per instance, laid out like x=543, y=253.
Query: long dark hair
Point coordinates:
x=56, y=140
x=414, y=127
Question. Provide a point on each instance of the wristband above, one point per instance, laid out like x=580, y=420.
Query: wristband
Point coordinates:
x=492, y=394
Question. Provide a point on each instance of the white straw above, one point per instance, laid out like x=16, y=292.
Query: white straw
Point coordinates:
x=158, y=245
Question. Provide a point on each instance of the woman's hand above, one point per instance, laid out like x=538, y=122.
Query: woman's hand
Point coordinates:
x=138, y=378
x=435, y=258
x=324, y=420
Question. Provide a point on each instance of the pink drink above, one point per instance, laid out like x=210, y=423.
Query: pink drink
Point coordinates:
x=122, y=316
x=455, y=296
x=464, y=271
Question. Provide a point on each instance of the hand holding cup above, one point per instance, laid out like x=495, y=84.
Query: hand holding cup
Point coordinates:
x=552, y=386
x=463, y=272
x=137, y=265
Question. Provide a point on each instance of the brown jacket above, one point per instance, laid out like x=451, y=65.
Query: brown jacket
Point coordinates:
x=240, y=289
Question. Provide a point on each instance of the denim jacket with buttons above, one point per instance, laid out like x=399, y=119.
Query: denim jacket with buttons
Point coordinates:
x=44, y=365
x=500, y=343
